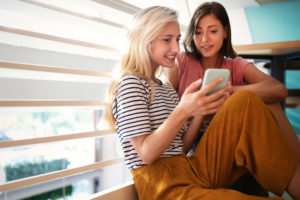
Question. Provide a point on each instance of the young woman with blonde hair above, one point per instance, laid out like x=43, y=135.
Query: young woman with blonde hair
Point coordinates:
x=150, y=119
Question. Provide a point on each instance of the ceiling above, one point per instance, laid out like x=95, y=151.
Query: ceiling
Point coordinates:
x=184, y=7
x=42, y=23
x=187, y=7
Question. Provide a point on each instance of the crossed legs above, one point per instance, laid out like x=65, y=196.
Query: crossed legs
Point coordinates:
x=244, y=136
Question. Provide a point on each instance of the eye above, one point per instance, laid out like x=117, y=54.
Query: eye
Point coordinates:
x=167, y=40
x=198, y=33
x=214, y=31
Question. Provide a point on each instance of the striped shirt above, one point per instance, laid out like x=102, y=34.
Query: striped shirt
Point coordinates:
x=135, y=115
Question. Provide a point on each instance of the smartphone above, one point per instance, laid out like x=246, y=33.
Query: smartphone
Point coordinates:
x=213, y=74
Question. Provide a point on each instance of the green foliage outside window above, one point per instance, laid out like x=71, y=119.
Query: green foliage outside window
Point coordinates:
x=27, y=169
x=53, y=194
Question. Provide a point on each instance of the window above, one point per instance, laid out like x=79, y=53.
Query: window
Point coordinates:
x=55, y=66
x=56, y=61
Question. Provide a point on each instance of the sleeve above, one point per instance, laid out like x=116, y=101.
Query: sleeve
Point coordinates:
x=238, y=66
x=130, y=108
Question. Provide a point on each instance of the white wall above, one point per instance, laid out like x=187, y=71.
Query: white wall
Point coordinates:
x=239, y=26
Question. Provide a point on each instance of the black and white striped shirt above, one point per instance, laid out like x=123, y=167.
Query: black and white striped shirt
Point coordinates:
x=135, y=116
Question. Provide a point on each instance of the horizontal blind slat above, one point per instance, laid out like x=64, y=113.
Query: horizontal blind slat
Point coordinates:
x=59, y=9
x=56, y=138
x=55, y=175
x=119, y=5
x=56, y=38
x=7, y=103
x=88, y=91
x=42, y=68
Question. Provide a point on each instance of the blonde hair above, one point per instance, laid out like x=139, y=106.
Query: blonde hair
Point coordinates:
x=147, y=25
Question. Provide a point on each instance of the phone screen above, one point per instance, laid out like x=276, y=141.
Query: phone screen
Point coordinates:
x=213, y=74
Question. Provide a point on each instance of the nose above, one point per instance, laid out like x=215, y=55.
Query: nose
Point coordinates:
x=204, y=37
x=175, y=47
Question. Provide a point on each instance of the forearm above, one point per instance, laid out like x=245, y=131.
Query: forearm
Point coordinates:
x=269, y=91
x=191, y=134
x=153, y=145
x=266, y=87
x=194, y=102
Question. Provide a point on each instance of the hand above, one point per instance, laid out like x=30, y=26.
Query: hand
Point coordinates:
x=195, y=102
x=230, y=88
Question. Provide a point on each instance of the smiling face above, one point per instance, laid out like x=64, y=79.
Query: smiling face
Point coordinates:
x=165, y=46
x=209, y=36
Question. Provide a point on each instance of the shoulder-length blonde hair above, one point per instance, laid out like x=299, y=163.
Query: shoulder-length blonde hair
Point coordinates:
x=146, y=26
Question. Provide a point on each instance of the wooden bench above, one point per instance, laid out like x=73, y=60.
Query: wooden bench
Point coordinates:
x=121, y=192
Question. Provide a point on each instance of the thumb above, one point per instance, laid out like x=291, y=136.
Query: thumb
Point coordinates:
x=194, y=86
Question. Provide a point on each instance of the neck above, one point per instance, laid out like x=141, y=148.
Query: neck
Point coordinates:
x=154, y=68
x=211, y=62
x=156, y=80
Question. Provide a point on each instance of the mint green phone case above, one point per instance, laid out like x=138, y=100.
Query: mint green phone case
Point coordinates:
x=211, y=75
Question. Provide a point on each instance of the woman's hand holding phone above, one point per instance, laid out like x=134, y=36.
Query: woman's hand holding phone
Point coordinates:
x=198, y=103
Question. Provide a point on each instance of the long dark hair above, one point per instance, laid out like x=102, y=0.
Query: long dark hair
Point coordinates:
x=204, y=9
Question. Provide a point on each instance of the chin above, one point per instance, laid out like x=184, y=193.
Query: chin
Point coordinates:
x=206, y=56
x=169, y=65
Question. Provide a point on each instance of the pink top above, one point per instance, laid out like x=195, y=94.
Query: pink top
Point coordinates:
x=191, y=70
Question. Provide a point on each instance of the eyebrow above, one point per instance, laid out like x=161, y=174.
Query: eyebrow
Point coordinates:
x=208, y=26
x=170, y=35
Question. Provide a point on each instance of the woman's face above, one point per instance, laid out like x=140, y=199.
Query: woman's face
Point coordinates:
x=165, y=46
x=209, y=36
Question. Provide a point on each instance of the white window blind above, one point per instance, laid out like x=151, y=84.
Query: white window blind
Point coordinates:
x=56, y=61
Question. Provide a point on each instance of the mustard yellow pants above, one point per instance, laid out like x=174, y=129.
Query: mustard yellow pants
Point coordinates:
x=243, y=136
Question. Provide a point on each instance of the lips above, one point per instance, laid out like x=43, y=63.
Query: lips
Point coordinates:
x=169, y=61
x=206, y=47
x=171, y=57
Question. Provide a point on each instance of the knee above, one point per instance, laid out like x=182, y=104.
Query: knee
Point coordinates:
x=243, y=96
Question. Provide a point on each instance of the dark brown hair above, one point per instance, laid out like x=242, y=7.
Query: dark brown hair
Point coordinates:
x=204, y=9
